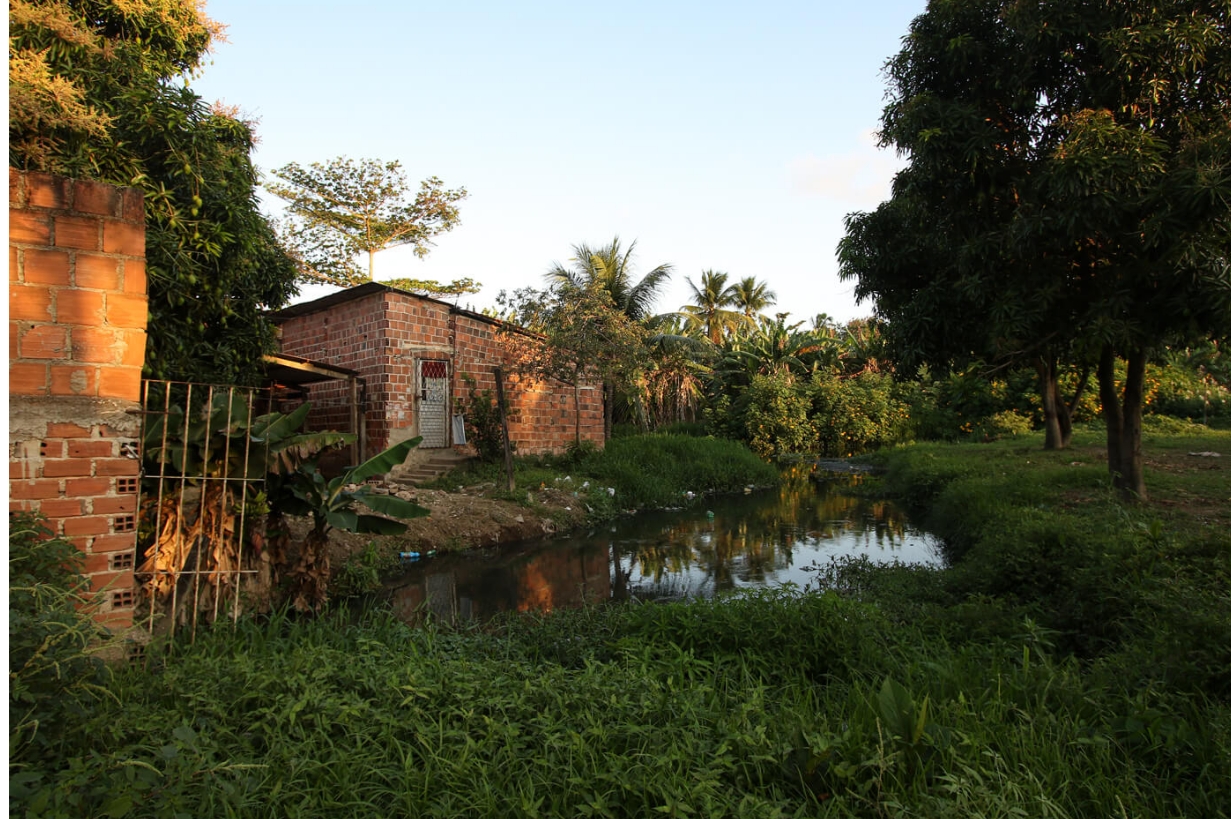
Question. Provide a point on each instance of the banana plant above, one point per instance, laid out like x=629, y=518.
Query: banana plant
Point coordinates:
x=332, y=503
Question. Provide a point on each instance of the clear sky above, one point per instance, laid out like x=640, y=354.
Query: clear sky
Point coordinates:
x=718, y=135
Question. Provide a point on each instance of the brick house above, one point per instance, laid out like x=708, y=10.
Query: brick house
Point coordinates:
x=414, y=355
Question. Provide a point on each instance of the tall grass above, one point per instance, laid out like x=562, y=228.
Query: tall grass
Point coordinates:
x=1071, y=663
x=646, y=471
x=772, y=705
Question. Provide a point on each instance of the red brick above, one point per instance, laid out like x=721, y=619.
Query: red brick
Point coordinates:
x=125, y=238
x=17, y=187
x=54, y=448
x=66, y=468
x=97, y=272
x=132, y=345
x=89, y=525
x=127, y=311
x=120, y=382
x=95, y=344
x=14, y=264
x=97, y=563
x=87, y=487
x=90, y=449
x=134, y=205
x=79, y=307
x=74, y=380
x=44, y=341
x=29, y=228
x=134, y=277
x=47, y=191
x=55, y=430
x=45, y=267
x=117, y=466
x=113, y=581
x=123, y=541
x=30, y=303
x=115, y=620
x=17, y=470
x=119, y=505
x=34, y=490
x=95, y=197
x=61, y=508
x=80, y=232
x=28, y=379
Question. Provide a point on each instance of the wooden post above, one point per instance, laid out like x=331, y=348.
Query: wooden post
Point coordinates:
x=504, y=428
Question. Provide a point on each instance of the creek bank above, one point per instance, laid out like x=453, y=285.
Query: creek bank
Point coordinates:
x=465, y=519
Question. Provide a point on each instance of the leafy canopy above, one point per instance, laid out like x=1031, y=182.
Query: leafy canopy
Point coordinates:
x=97, y=92
x=345, y=208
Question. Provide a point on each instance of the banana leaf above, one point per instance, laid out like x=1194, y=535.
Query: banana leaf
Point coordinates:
x=382, y=463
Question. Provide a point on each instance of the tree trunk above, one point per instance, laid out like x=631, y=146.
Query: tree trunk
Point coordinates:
x=1109, y=396
x=1123, y=417
x=1066, y=417
x=1053, y=437
x=1133, y=484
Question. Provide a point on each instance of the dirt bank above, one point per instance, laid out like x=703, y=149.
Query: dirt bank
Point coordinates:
x=464, y=520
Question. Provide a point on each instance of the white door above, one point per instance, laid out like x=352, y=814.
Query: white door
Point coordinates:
x=434, y=403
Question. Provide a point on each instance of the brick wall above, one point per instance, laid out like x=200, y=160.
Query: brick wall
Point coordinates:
x=384, y=333
x=77, y=317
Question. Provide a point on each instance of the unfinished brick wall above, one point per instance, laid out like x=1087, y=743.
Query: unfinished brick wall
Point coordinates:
x=77, y=318
x=383, y=333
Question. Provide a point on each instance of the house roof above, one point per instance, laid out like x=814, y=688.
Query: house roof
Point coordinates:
x=293, y=370
x=360, y=291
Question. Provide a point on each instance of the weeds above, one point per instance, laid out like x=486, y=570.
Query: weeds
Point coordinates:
x=1072, y=663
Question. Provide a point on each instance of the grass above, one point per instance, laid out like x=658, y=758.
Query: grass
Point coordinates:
x=646, y=471
x=1073, y=662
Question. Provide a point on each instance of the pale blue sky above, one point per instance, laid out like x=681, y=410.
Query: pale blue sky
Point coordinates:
x=718, y=135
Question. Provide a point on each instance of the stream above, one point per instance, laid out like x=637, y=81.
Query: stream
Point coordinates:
x=762, y=539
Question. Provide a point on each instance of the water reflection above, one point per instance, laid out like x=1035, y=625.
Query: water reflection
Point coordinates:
x=764, y=539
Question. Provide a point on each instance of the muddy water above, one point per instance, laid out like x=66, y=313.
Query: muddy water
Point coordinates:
x=759, y=540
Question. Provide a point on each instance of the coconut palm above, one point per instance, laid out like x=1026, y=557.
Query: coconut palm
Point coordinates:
x=610, y=268
x=751, y=297
x=709, y=311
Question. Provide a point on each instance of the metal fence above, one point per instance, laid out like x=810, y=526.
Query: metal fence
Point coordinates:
x=203, y=506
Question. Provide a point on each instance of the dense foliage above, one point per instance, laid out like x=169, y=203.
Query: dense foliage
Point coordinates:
x=98, y=92
x=1054, y=669
x=54, y=678
x=1066, y=197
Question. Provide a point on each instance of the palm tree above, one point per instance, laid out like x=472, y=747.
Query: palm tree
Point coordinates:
x=709, y=309
x=610, y=269
x=751, y=297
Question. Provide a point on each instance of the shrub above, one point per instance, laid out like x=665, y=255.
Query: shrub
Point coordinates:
x=54, y=676
x=482, y=414
x=777, y=421
x=853, y=415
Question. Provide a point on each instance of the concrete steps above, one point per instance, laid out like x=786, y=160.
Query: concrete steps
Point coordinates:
x=440, y=462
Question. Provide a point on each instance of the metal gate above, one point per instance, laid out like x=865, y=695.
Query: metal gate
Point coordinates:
x=202, y=502
x=434, y=403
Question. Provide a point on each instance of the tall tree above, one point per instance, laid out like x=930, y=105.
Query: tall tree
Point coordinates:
x=751, y=297
x=1069, y=190
x=97, y=92
x=710, y=311
x=610, y=268
x=579, y=335
x=344, y=209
